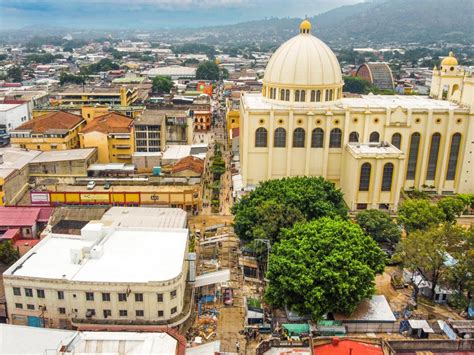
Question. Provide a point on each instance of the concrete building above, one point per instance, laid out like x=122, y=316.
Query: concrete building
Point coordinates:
x=13, y=115
x=113, y=136
x=14, y=173
x=53, y=131
x=301, y=125
x=128, y=269
x=174, y=71
x=118, y=95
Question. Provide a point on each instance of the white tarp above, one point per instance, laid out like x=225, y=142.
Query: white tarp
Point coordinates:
x=212, y=278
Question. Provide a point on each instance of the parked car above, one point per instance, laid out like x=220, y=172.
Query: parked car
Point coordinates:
x=228, y=297
x=90, y=185
x=107, y=185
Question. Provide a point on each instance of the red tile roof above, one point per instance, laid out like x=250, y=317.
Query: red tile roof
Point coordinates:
x=188, y=163
x=58, y=120
x=19, y=216
x=111, y=122
x=10, y=234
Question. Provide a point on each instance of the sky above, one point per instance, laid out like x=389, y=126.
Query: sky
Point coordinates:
x=152, y=14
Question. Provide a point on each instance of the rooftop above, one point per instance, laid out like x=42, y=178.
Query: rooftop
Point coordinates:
x=176, y=152
x=375, y=309
x=15, y=159
x=171, y=70
x=188, y=163
x=374, y=149
x=8, y=107
x=23, y=216
x=53, y=122
x=63, y=155
x=156, y=117
x=131, y=217
x=109, y=123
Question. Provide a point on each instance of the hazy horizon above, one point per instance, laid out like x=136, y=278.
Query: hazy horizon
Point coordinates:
x=152, y=14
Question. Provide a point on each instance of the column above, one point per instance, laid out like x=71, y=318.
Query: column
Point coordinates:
x=420, y=178
x=365, y=134
x=377, y=174
x=270, y=146
x=445, y=152
x=309, y=130
x=327, y=134
x=244, y=123
x=289, y=148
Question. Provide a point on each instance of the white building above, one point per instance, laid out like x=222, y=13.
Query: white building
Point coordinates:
x=129, y=268
x=173, y=71
x=12, y=116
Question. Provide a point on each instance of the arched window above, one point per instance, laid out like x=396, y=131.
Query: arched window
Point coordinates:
x=317, y=138
x=303, y=96
x=287, y=95
x=326, y=97
x=313, y=95
x=453, y=156
x=413, y=156
x=364, y=180
x=318, y=95
x=297, y=95
x=279, y=138
x=433, y=157
x=374, y=137
x=387, y=177
x=261, y=138
x=335, y=138
x=298, y=138
x=282, y=94
x=354, y=137
x=330, y=94
x=397, y=140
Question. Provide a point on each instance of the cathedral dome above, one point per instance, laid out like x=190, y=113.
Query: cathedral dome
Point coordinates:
x=303, y=60
x=450, y=60
x=306, y=63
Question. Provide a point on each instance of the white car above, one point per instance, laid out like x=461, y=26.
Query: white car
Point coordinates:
x=90, y=185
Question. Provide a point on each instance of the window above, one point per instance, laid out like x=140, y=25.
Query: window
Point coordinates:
x=174, y=310
x=303, y=96
x=282, y=94
x=397, y=140
x=279, y=140
x=28, y=292
x=387, y=177
x=139, y=313
x=453, y=157
x=413, y=156
x=335, y=138
x=298, y=138
x=122, y=297
x=30, y=306
x=354, y=137
x=313, y=96
x=374, y=137
x=159, y=297
x=62, y=310
x=123, y=313
x=318, y=95
x=60, y=295
x=16, y=291
x=107, y=313
x=433, y=157
x=106, y=297
x=161, y=314
x=364, y=180
x=89, y=296
x=317, y=138
x=19, y=305
x=330, y=95
x=261, y=138
x=90, y=312
x=40, y=293
x=173, y=294
x=138, y=297
x=297, y=95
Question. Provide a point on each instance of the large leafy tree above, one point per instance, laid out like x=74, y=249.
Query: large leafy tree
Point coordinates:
x=452, y=207
x=8, y=253
x=379, y=225
x=327, y=265
x=207, y=71
x=162, y=83
x=429, y=250
x=305, y=197
x=419, y=215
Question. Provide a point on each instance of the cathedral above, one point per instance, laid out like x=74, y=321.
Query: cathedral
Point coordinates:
x=372, y=147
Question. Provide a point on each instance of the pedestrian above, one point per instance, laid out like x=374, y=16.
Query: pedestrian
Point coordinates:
x=237, y=347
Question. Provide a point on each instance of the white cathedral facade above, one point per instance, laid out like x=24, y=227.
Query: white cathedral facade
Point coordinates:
x=373, y=146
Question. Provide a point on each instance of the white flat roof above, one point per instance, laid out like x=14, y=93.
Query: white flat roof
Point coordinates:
x=7, y=107
x=62, y=155
x=15, y=158
x=172, y=70
x=176, y=152
x=255, y=101
x=149, y=217
x=375, y=309
x=374, y=149
x=150, y=255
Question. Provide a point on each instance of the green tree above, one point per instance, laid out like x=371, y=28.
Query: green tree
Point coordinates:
x=8, y=253
x=356, y=85
x=162, y=83
x=460, y=276
x=428, y=250
x=419, y=215
x=379, y=225
x=207, y=71
x=327, y=265
x=15, y=74
x=314, y=197
x=452, y=207
x=71, y=78
x=104, y=64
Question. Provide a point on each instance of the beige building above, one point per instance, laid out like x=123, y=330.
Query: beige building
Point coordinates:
x=301, y=125
x=130, y=268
